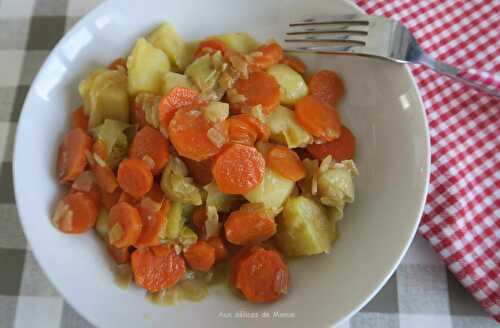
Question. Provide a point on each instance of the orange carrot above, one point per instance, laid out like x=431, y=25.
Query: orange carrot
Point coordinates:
x=105, y=177
x=124, y=225
x=340, y=149
x=135, y=177
x=118, y=63
x=238, y=169
x=71, y=159
x=249, y=225
x=178, y=97
x=246, y=129
x=199, y=218
x=285, y=162
x=318, y=118
x=260, y=274
x=153, y=209
x=75, y=213
x=194, y=137
x=91, y=190
x=158, y=267
x=108, y=200
x=150, y=144
x=260, y=88
x=124, y=197
x=327, y=86
x=210, y=46
x=272, y=53
x=200, y=171
x=200, y=256
x=120, y=255
x=79, y=119
x=294, y=62
x=221, y=251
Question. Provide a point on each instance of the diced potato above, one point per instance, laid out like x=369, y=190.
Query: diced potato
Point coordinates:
x=272, y=191
x=104, y=94
x=216, y=111
x=241, y=42
x=175, y=222
x=203, y=73
x=292, y=84
x=169, y=41
x=172, y=80
x=335, y=184
x=102, y=224
x=303, y=228
x=191, y=48
x=146, y=66
x=286, y=130
x=177, y=186
x=111, y=132
x=222, y=202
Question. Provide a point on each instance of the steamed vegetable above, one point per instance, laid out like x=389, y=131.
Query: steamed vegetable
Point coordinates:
x=292, y=84
x=286, y=130
x=222, y=202
x=175, y=222
x=203, y=72
x=172, y=80
x=241, y=42
x=166, y=38
x=177, y=185
x=112, y=134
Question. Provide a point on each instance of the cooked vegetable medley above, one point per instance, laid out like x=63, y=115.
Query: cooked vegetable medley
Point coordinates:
x=186, y=156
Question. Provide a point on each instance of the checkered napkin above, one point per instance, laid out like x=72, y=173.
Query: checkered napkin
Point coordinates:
x=462, y=215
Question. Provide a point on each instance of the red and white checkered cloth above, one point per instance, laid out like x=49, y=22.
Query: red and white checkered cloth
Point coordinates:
x=462, y=214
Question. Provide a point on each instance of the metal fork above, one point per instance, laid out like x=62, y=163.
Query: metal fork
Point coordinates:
x=380, y=37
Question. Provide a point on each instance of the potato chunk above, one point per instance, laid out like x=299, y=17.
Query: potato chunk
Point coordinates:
x=166, y=38
x=241, y=42
x=104, y=94
x=172, y=80
x=304, y=228
x=286, y=130
x=292, y=84
x=146, y=66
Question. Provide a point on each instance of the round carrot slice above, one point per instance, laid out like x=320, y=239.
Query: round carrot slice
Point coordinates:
x=199, y=218
x=340, y=149
x=75, y=213
x=79, y=119
x=149, y=142
x=259, y=89
x=318, y=118
x=272, y=53
x=221, y=251
x=71, y=159
x=249, y=225
x=210, y=46
x=238, y=169
x=200, y=256
x=194, y=137
x=105, y=177
x=294, y=62
x=200, y=171
x=246, y=129
x=158, y=267
x=124, y=225
x=153, y=209
x=108, y=200
x=327, y=86
x=261, y=275
x=178, y=97
x=285, y=162
x=135, y=177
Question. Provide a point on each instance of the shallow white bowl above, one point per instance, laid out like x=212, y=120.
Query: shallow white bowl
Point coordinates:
x=382, y=107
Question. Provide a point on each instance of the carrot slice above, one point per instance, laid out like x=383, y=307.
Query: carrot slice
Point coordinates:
x=246, y=129
x=200, y=171
x=149, y=142
x=108, y=200
x=260, y=88
x=340, y=149
x=194, y=137
x=210, y=46
x=158, y=267
x=249, y=225
x=118, y=63
x=285, y=162
x=71, y=158
x=221, y=251
x=271, y=54
x=124, y=197
x=105, y=177
x=294, y=62
x=75, y=213
x=200, y=256
x=79, y=119
x=261, y=275
x=327, y=86
x=135, y=177
x=199, y=218
x=120, y=255
x=178, y=97
x=153, y=219
x=318, y=118
x=94, y=193
x=238, y=169
x=124, y=225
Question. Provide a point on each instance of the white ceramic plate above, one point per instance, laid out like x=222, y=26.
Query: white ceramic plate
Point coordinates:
x=382, y=107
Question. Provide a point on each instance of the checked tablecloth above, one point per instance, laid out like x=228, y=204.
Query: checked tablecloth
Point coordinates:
x=464, y=190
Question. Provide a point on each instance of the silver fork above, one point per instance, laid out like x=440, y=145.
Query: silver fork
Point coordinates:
x=380, y=37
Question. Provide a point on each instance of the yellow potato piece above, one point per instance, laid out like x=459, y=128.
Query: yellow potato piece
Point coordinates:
x=286, y=130
x=241, y=42
x=292, y=84
x=166, y=38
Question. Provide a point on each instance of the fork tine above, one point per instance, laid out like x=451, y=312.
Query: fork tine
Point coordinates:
x=361, y=20
x=313, y=31
x=322, y=49
x=330, y=39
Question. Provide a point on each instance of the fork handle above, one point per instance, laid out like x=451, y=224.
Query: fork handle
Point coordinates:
x=480, y=80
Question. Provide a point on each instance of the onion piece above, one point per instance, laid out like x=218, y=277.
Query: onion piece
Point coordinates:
x=84, y=181
x=216, y=137
x=212, y=222
x=99, y=160
x=149, y=161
